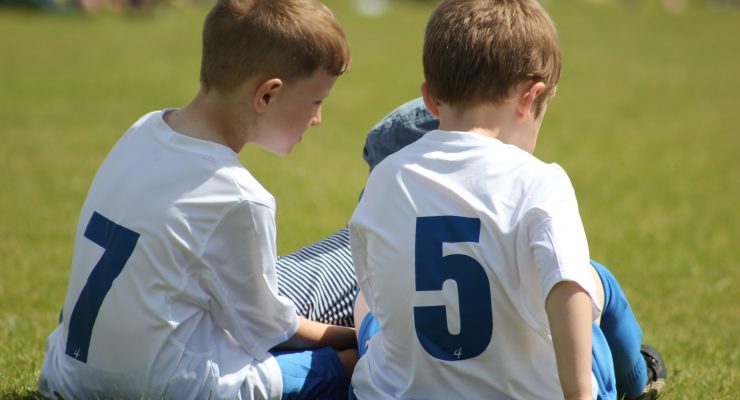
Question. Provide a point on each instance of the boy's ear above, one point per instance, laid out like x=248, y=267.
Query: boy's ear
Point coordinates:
x=526, y=97
x=265, y=93
x=429, y=101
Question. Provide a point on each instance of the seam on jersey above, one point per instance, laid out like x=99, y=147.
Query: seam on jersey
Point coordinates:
x=594, y=307
x=216, y=225
x=548, y=233
x=242, y=194
x=529, y=189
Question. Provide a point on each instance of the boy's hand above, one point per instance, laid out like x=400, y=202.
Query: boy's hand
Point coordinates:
x=312, y=334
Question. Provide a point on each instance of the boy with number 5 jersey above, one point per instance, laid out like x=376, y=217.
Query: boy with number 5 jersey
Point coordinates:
x=470, y=252
x=173, y=290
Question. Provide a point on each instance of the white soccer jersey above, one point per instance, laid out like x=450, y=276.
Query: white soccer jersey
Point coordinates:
x=457, y=241
x=173, y=291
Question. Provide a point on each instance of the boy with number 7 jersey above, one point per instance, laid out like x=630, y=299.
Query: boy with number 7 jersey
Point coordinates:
x=173, y=290
x=470, y=253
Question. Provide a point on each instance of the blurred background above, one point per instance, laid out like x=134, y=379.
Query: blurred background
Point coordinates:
x=645, y=123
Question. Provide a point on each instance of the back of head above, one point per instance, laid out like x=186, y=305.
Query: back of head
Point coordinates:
x=477, y=51
x=286, y=39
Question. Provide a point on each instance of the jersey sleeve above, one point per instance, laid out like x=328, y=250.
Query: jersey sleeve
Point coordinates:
x=358, y=247
x=556, y=235
x=240, y=275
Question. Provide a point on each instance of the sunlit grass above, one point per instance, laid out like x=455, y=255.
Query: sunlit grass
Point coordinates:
x=644, y=122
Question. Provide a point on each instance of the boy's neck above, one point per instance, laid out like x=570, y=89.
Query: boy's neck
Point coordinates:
x=213, y=117
x=483, y=119
x=492, y=120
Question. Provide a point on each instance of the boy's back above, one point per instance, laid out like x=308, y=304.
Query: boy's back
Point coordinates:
x=145, y=225
x=442, y=237
x=470, y=252
x=173, y=291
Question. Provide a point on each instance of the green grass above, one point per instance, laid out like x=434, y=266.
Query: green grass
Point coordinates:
x=644, y=122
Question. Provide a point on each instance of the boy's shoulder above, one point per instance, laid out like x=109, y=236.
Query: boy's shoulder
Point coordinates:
x=211, y=170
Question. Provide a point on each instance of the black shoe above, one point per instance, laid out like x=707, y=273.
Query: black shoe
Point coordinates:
x=656, y=373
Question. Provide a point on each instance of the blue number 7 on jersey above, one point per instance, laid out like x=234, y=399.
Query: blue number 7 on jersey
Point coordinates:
x=474, y=292
x=119, y=243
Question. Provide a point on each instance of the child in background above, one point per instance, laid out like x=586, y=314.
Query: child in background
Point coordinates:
x=471, y=253
x=173, y=290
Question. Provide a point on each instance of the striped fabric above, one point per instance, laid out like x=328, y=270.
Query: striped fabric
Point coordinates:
x=320, y=280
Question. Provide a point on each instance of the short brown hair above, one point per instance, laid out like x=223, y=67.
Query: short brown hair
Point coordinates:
x=287, y=39
x=479, y=50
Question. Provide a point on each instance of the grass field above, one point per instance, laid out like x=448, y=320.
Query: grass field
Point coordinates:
x=645, y=122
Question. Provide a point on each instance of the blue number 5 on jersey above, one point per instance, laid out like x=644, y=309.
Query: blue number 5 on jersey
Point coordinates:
x=119, y=243
x=474, y=292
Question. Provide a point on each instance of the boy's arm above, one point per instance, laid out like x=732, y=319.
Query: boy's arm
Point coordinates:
x=312, y=334
x=568, y=308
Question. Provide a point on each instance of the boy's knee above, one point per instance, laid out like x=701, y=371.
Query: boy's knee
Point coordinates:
x=316, y=373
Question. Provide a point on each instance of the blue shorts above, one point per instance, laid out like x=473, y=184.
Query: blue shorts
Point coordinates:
x=368, y=329
x=602, y=365
x=312, y=374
